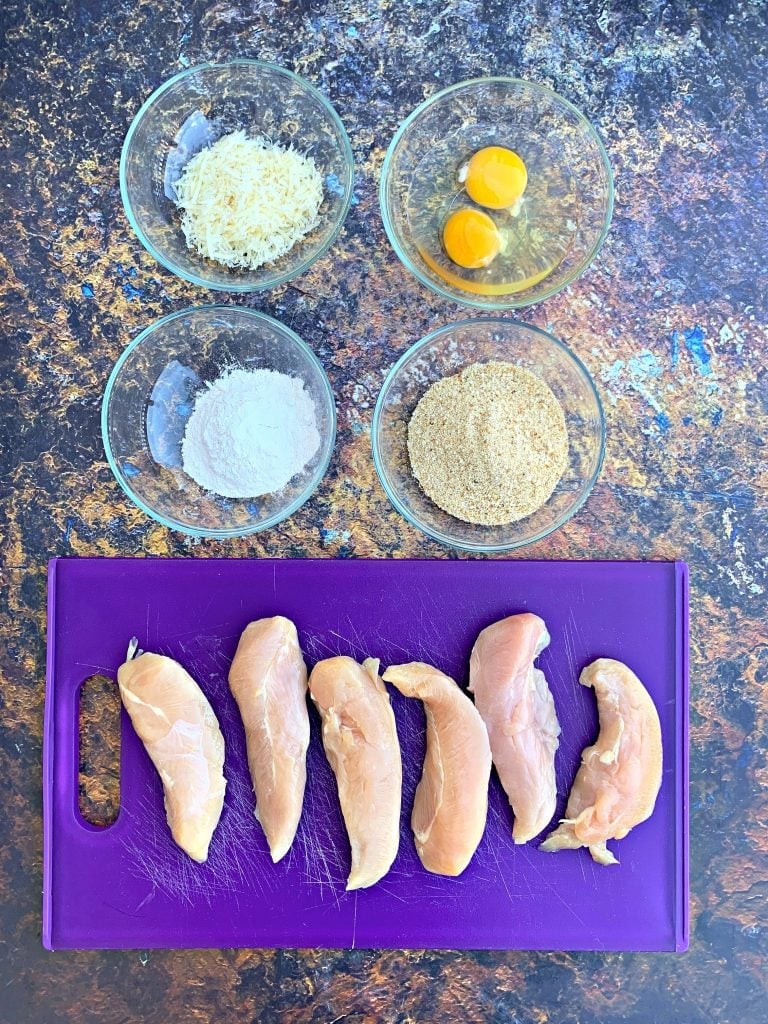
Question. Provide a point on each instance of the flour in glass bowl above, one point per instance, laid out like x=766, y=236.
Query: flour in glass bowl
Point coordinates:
x=250, y=433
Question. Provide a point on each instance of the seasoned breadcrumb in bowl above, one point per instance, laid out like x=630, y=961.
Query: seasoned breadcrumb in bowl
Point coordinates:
x=438, y=466
x=236, y=176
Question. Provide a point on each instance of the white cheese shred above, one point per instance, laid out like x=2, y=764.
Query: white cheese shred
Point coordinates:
x=246, y=202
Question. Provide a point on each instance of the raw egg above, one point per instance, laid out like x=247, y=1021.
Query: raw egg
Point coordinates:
x=494, y=177
x=471, y=239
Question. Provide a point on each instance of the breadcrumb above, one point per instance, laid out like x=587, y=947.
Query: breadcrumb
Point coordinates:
x=489, y=444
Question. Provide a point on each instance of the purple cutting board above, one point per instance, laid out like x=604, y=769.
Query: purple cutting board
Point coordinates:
x=129, y=886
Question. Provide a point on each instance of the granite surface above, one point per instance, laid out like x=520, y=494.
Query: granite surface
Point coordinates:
x=670, y=320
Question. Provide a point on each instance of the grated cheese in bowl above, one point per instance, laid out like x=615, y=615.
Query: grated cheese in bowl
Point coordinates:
x=246, y=202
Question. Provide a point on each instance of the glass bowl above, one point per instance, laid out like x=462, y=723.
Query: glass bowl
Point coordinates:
x=564, y=213
x=150, y=396
x=199, y=105
x=449, y=350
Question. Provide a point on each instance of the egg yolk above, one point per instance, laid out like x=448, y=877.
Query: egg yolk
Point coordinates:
x=471, y=239
x=495, y=177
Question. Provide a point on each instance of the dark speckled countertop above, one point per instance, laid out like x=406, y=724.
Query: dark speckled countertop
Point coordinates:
x=670, y=320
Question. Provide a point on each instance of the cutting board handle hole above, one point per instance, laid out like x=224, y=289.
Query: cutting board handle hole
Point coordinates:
x=98, y=774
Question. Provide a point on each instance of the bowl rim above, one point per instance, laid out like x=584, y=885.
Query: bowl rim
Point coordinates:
x=389, y=490
x=199, y=280
x=220, y=534
x=468, y=300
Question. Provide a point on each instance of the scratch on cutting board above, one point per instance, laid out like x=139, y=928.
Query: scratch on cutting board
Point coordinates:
x=202, y=615
x=583, y=872
x=569, y=644
x=99, y=668
x=501, y=873
x=316, y=647
x=350, y=641
x=551, y=888
x=498, y=838
x=388, y=642
x=316, y=856
x=354, y=923
x=390, y=892
x=156, y=859
x=317, y=841
x=150, y=896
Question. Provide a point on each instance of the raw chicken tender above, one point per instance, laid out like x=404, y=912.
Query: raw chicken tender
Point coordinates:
x=268, y=679
x=516, y=705
x=177, y=726
x=620, y=775
x=451, y=802
x=361, y=744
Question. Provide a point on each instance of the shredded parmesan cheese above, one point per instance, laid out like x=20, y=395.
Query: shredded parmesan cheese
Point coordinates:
x=246, y=202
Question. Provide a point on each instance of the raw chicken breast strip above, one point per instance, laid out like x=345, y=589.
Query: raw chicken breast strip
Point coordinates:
x=360, y=741
x=268, y=679
x=517, y=707
x=451, y=803
x=181, y=734
x=620, y=775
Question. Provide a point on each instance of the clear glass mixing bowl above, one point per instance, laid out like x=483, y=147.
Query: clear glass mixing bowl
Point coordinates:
x=449, y=350
x=565, y=210
x=201, y=104
x=150, y=396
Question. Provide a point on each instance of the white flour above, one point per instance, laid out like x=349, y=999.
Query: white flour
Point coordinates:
x=250, y=433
